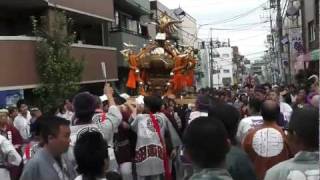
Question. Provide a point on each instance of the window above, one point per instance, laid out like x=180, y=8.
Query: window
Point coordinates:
x=17, y=24
x=132, y=25
x=226, y=71
x=123, y=21
x=311, y=31
x=126, y=23
x=143, y=30
x=89, y=32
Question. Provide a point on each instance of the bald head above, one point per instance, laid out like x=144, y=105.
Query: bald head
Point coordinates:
x=270, y=110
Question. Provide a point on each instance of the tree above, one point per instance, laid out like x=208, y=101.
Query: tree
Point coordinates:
x=59, y=73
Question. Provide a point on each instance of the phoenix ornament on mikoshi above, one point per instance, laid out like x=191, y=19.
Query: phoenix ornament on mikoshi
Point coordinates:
x=167, y=25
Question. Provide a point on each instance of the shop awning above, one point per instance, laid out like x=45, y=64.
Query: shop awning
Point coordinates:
x=315, y=55
x=311, y=56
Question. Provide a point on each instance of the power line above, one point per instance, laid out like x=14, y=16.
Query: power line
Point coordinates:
x=238, y=27
x=247, y=27
x=249, y=37
x=236, y=17
x=252, y=27
x=207, y=4
x=249, y=24
x=233, y=30
x=259, y=52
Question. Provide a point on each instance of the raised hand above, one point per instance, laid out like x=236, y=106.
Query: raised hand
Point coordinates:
x=108, y=90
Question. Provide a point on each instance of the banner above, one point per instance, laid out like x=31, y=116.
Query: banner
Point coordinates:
x=296, y=43
x=10, y=97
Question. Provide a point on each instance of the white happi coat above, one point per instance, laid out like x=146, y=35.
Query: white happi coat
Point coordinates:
x=106, y=127
x=149, y=151
x=8, y=155
x=23, y=125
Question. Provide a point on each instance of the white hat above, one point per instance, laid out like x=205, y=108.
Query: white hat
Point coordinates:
x=125, y=96
x=103, y=98
x=4, y=111
x=139, y=100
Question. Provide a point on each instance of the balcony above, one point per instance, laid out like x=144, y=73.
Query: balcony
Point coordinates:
x=22, y=5
x=102, y=9
x=133, y=7
x=120, y=35
x=93, y=56
x=18, y=62
x=127, y=31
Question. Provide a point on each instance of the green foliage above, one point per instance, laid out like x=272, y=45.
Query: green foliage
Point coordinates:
x=58, y=72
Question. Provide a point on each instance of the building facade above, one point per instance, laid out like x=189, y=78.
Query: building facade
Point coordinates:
x=187, y=32
x=239, y=68
x=310, y=31
x=222, y=75
x=101, y=27
x=17, y=44
x=259, y=70
x=157, y=9
x=129, y=28
x=295, y=30
x=203, y=69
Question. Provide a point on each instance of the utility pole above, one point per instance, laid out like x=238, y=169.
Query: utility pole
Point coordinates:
x=289, y=61
x=272, y=52
x=280, y=36
x=211, y=59
x=219, y=69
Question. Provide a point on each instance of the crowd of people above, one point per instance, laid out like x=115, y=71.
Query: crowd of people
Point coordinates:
x=251, y=133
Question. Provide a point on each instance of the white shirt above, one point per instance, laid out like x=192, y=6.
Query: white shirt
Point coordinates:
x=196, y=114
x=286, y=110
x=8, y=154
x=68, y=115
x=23, y=125
x=246, y=124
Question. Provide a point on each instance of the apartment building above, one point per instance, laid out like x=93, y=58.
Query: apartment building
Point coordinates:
x=92, y=20
x=131, y=26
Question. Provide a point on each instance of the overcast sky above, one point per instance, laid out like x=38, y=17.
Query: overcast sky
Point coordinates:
x=248, y=32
